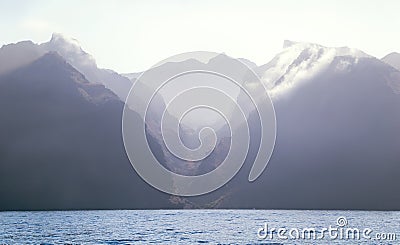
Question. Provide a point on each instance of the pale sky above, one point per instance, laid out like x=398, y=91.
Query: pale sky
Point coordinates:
x=131, y=36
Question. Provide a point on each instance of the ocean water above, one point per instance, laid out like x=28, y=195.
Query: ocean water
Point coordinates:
x=196, y=227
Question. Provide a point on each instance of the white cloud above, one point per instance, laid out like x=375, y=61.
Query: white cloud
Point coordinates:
x=301, y=62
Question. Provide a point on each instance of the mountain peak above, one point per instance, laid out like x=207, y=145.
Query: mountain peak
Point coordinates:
x=20, y=44
x=393, y=53
x=61, y=38
x=66, y=46
x=288, y=43
x=301, y=61
x=15, y=55
x=393, y=59
x=340, y=51
x=70, y=49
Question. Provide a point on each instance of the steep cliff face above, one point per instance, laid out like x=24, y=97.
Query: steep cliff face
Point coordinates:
x=61, y=144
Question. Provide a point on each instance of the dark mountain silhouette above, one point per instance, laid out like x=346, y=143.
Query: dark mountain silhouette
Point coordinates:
x=61, y=145
x=70, y=50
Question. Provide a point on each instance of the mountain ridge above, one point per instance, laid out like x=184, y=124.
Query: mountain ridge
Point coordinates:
x=70, y=50
x=392, y=59
x=61, y=150
x=338, y=126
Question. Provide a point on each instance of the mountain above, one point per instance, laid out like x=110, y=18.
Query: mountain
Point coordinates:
x=131, y=76
x=13, y=56
x=338, y=133
x=71, y=51
x=16, y=55
x=249, y=63
x=189, y=129
x=300, y=61
x=392, y=59
x=61, y=144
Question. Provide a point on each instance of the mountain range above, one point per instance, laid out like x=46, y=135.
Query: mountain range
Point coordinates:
x=337, y=112
x=16, y=55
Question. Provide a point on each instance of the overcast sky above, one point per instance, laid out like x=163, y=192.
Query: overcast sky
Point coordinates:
x=130, y=36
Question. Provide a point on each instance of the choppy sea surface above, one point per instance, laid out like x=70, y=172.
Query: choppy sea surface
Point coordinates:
x=199, y=227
